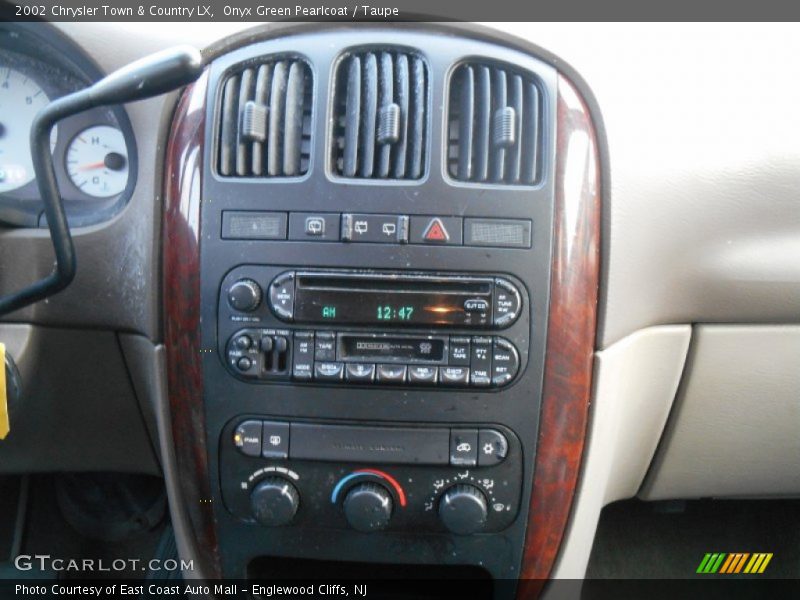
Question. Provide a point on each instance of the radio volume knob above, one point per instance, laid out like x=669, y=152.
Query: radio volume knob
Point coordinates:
x=244, y=295
x=463, y=509
x=274, y=501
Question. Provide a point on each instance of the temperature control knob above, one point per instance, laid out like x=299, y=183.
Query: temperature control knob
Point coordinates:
x=463, y=509
x=274, y=501
x=244, y=295
x=368, y=507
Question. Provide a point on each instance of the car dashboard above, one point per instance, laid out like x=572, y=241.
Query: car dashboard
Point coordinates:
x=428, y=297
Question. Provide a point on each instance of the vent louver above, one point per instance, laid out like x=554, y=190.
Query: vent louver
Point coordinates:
x=266, y=120
x=380, y=115
x=494, y=126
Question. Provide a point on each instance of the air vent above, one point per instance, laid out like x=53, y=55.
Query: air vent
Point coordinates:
x=380, y=113
x=266, y=120
x=494, y=126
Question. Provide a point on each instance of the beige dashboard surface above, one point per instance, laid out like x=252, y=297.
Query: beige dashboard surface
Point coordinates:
x=735, y=427
x=703, y=223
x=634, y=385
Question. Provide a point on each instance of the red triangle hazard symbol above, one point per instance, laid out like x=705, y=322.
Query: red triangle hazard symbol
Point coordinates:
x=436, y=232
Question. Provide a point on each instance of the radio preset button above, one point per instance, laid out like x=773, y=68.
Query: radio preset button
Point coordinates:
x=459, y=351
x=360, y=372
x=328, y=371
x=422, y=375
x=453, y=375
x=505, y=362
x=281, y=296
x=275, y=440
x=303, y=355
x=391, y=373
x=247, y=438
x=507, y=303
x=481, y=361
x=464, y=447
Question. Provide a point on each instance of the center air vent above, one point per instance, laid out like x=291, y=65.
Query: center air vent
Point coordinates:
x=380, y=115
x=266, y=120
x=494, y=126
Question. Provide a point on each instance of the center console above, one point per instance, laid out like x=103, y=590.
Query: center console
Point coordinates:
x=374, y=239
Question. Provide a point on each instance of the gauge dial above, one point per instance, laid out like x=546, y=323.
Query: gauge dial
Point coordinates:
x=97, y=161
x=20, y=99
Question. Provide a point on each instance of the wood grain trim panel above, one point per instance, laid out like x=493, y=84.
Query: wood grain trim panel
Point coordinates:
x=181, y=275
x=572, y=324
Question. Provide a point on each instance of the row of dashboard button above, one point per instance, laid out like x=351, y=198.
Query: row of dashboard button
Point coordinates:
x=388, y=373
x=376, y=228
x=480, y=361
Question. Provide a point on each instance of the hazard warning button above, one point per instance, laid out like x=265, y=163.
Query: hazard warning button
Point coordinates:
x=436, y=230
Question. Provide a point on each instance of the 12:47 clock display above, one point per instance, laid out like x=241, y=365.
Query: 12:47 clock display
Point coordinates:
x=395, y=313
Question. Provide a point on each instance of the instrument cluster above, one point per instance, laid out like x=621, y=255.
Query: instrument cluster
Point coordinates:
x=94, y=153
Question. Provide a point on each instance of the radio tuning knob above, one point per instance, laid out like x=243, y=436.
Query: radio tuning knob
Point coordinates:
x=274, y=501
x=463, y=509
x=368, y=507
x=244, y=295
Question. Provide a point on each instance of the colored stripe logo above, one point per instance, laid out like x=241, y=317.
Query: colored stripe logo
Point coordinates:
x=734, y=563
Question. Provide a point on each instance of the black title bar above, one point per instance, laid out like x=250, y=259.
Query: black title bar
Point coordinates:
x=249, y=11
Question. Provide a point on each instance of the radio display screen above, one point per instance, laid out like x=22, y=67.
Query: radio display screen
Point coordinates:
x=391, y=302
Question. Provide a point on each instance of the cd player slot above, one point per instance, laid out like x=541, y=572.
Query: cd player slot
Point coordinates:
x=395, y=285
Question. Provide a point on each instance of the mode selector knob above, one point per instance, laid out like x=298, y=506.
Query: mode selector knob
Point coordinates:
x=368, y=507
x=244, y=295
x=274, y=501
x=463, y=509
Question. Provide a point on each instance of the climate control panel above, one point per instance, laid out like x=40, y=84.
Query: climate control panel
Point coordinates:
x=437, y=479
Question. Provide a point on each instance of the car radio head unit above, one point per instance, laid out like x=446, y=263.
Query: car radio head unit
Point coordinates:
x=394, y=299
x=381, y=327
